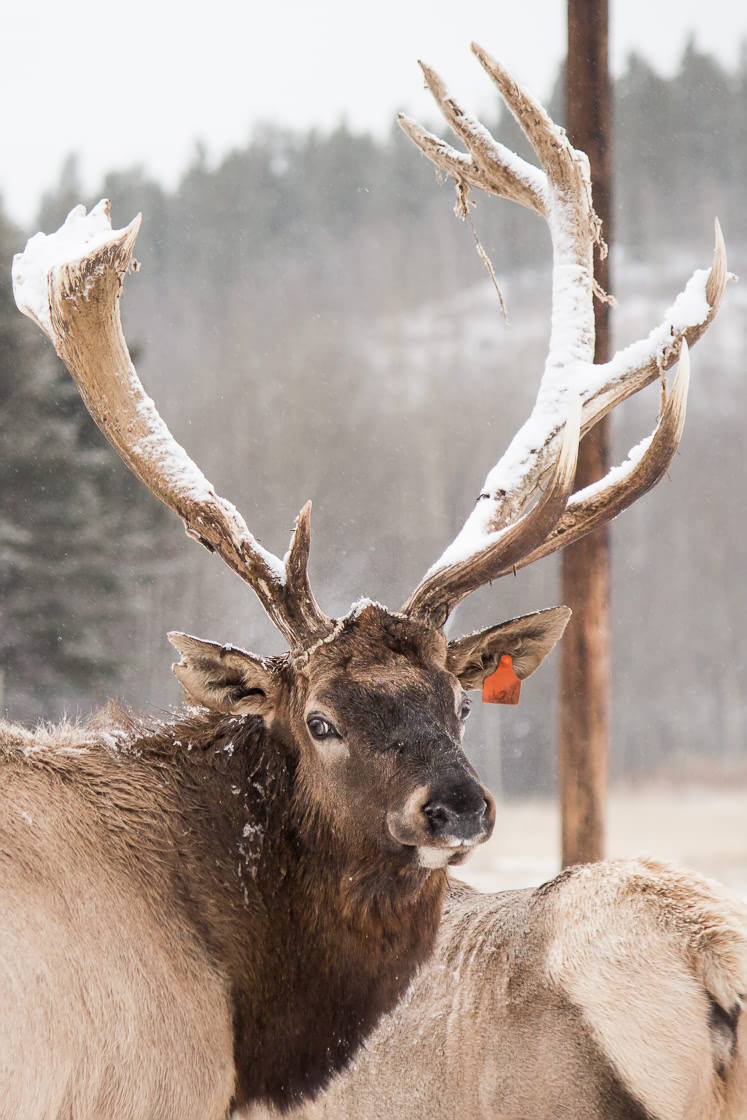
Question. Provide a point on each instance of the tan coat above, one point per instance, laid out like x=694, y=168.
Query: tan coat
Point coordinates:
x=611, y=993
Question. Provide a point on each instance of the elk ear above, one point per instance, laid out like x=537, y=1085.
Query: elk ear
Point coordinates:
x=224, y=678
x=528, y=640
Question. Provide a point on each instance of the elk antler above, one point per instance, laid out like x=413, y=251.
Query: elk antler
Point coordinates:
x=496, y=538
x=70, y=284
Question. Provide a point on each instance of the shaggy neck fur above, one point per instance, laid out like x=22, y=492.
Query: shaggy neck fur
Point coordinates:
x=319, y=934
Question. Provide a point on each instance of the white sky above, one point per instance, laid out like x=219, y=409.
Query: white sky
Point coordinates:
x=139, y=82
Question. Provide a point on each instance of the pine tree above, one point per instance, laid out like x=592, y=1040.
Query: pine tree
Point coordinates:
x=68, y=527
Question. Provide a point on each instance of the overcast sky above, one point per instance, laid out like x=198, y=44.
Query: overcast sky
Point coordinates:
x=139, y=83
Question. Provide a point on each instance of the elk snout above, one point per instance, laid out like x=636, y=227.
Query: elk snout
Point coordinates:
x=444, y=820
x=460, y=817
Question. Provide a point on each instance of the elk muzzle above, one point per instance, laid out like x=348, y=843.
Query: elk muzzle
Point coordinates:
x=444, y=819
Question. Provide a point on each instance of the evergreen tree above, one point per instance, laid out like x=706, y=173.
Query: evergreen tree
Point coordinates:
x=68, y=526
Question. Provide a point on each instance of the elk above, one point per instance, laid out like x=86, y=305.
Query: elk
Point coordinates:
x=613, y=992
x=215, y=910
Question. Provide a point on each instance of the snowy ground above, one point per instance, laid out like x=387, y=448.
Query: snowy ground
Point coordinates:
x=701, y=828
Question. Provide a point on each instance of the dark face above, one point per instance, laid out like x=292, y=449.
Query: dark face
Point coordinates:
x=375, y=713
x=379, y=721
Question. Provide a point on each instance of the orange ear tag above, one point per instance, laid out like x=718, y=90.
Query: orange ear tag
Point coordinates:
x=502, y=686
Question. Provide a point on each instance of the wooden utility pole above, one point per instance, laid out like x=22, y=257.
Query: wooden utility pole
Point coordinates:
x=584, y=700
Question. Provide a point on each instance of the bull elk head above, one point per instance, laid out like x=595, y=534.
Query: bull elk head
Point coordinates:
x=376, y=679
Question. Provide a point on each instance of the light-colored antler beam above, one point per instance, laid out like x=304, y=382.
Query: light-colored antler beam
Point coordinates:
x=70, y=284
x=646, y=465
x=530, y=455
x=687, y=319
x=561, y=193
x=477, y=556
x=528, y=459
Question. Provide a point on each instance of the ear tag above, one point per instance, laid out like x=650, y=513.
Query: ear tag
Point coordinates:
x=502, y=686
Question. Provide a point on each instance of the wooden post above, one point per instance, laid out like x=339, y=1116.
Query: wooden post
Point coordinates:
x=584, y=700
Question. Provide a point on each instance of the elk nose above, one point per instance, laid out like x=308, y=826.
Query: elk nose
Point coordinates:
x=461, y=813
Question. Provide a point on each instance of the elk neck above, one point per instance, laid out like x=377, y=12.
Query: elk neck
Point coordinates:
x=319, y=934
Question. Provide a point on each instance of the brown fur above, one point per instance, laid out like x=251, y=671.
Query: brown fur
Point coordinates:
x=207, y=912
x=614, y=992
x=303, y=941
x=203, y=912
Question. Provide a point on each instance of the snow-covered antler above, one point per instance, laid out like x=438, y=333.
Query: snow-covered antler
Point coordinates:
x=70, y=283
x=496, y=538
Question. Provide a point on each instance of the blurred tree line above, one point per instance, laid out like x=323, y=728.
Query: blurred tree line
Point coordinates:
x=312, y=321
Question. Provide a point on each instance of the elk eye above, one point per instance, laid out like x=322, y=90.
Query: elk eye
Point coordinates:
x=321, y=728
x=465, y=709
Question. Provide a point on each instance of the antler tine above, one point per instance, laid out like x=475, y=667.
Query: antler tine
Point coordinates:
x=502, y=172
x=686, y=321
x=461, y=167
x=70, y=284
x=602, y=387
x=561, y=192
x=480, y=553
x=574, y=227
x=301, y=607
x=566, y=168
x=646, y=465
